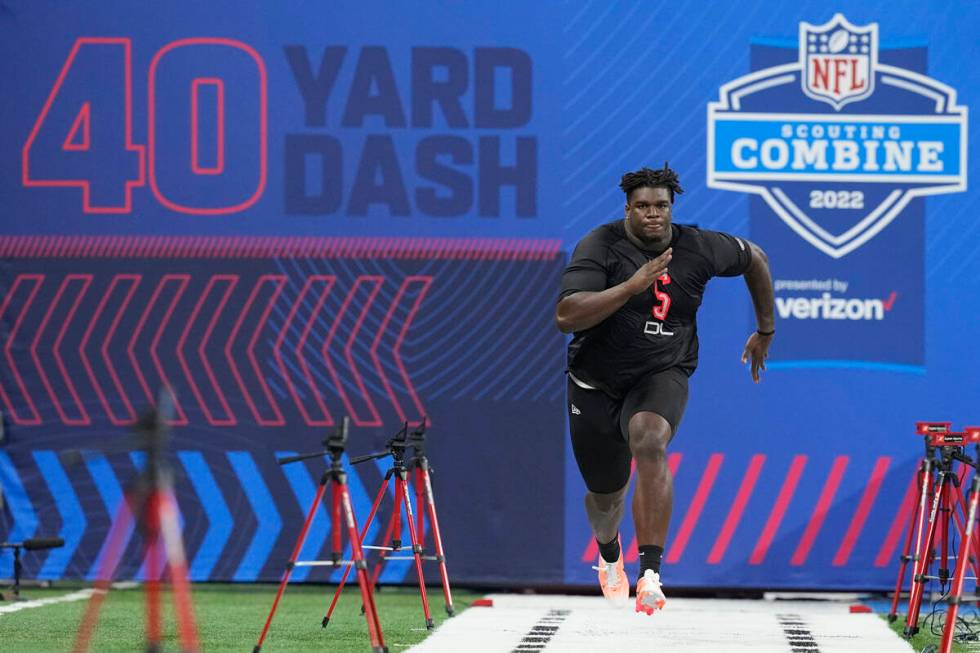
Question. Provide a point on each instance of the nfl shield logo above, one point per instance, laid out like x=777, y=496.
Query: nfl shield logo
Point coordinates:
x=838, y=60
x=837, y=177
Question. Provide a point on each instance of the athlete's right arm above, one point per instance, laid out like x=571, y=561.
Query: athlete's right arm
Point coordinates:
x=585, y=309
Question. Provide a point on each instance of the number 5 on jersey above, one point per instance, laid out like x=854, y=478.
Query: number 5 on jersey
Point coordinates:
x=660, y=310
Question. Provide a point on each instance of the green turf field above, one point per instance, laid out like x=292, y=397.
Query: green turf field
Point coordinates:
x=924, y=638
x=230, y=618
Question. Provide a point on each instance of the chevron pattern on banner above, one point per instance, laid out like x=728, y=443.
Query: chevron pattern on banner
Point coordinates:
x=265, y=355
x=208, y=518
x=263, y=506
x=185, y=331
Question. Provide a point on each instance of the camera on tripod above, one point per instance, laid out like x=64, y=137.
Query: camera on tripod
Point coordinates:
x=939, y=434
x=399, y=443
x=928, y=428
x=940, y=509
x=336, y=442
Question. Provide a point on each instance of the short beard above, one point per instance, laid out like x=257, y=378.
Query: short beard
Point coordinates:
x=647, y=243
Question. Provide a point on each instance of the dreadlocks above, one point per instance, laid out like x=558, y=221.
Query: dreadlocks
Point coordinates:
x=647, y=178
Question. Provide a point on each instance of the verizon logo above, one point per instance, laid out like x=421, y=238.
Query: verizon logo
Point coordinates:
x=827, y=307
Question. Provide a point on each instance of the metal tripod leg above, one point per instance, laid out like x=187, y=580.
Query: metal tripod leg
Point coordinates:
x=922, y=481
x=925, y=556
x=177, y=564
x=162, y=542
x=959, y=575
x=113, y=553
x=367, y=596
x=151, y=588
x=383, y=554
x=292, y=560
x=393, y=532
x=423, y=479
x=401, y=483
x=402, y=499
x=342, y=516
x=347, y=568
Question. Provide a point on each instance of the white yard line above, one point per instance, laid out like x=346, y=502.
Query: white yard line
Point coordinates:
x=578, y=624
x=80, y=595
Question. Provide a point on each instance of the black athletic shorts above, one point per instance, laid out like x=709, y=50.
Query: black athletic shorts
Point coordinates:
x=598, y=424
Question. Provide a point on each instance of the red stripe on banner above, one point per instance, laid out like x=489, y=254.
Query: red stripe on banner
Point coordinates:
x=11, y=337
x=900, y=523
x=820, y=511
x=861, y=514
x=375, y=419
x=738, y=507
x=108, y=334
x=83, y=418
x=229, y=418
x=591, y=550
x=694, y=510
x=330, y=281
x=426, y=281
x=183, y=280
x=326, y=419
x=783, y=499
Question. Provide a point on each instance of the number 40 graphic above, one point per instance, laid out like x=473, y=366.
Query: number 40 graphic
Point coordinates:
x=206, y=132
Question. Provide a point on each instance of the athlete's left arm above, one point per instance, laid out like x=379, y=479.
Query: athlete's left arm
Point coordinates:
x=759, y=281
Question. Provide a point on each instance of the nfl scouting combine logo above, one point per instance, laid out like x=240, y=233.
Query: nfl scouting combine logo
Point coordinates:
x=837, y=143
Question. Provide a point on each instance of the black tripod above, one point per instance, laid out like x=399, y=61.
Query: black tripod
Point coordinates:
x=34, y=544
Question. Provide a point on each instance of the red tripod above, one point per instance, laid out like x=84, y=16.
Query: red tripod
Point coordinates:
x=967, y=546
x=948, y=505
x=425, y=497
x=342, y=515
x=925, y=482
x=396, y=448
x=151, y=502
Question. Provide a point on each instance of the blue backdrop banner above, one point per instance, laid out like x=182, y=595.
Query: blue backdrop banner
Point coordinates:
x=291, y=212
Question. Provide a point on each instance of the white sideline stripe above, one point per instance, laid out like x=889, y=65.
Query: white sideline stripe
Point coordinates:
x=80, y=595
x=687, y=625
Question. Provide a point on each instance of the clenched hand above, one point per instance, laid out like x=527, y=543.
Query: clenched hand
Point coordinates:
x=643, y=278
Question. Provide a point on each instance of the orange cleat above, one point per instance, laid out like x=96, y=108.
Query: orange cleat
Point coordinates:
x=649, y=594
x=612, y=579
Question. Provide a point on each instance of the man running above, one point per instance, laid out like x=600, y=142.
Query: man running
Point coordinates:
x=630, y=295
